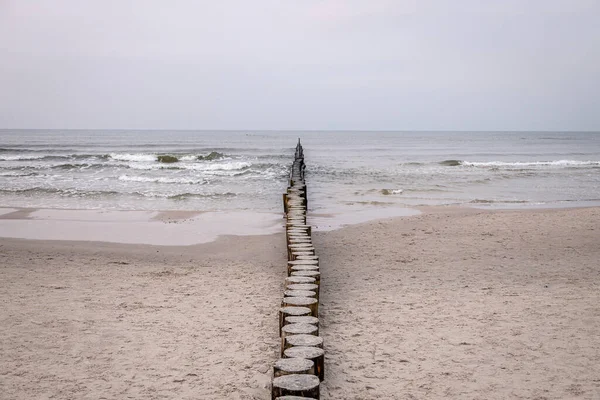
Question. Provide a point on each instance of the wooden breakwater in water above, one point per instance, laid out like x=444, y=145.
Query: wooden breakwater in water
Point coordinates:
x=299, y=371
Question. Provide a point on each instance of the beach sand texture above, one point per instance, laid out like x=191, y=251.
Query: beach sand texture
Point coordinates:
x=453, y=303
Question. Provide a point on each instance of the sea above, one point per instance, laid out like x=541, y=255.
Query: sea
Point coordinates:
x=248, y=170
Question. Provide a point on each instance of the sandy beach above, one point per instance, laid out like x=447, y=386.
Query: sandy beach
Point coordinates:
x=453, y=303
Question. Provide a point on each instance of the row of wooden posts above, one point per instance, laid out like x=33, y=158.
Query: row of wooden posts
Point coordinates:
x=299, y=372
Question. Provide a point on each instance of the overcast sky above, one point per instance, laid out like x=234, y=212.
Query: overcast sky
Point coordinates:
x=301, y=64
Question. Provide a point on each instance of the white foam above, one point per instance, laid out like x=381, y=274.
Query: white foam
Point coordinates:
x=214, y=168
x=557, y=163
x=128, y=178
x=230, y=166
x=23, y=157
x=133, y=157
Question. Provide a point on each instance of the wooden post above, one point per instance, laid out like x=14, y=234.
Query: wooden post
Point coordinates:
x=299, y=293
x=299, y=279
x=309, y=302
x=296, y=385
x=307, y=258
x=291, y=312
x=296, y=329
x=316, y=275
x=302, y=340
x=306, y=319
x=303, y=286
x=310, y=353
x=294, y=377
x=288, y=366
x=293, y=268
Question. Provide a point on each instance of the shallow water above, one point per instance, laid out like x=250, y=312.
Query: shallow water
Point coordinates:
x=247, y=170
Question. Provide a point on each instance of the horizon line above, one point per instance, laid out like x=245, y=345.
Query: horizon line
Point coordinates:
x=309, y=130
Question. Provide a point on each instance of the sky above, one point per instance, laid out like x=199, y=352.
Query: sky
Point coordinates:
x=300, y=64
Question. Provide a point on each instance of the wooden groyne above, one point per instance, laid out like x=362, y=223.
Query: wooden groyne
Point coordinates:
x=299, y=371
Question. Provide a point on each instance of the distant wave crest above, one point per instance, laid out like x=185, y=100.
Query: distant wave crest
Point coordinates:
x=451, y=163
x=70, y=192
x=520, y=164
x=558, y=163
x=486, y=201
x=129, y=178
x=387, y=192
x=140, y=157
x=187, y=196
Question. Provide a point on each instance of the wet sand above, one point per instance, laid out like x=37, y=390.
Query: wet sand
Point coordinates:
x=163, y=228
x=452, y=303
x=166, y=228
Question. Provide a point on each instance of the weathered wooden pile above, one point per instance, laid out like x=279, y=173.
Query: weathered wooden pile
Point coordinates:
x=298, y=374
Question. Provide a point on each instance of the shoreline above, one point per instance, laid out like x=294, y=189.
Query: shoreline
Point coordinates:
x=187, y=228
x=165, y=228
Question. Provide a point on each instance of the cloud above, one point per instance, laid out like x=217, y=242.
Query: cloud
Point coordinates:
x=300, y=64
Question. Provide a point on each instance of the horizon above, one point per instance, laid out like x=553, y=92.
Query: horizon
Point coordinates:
x=300, y=130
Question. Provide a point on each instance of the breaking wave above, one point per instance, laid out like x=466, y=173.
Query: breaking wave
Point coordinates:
x=18, y=174
x=77, y=166
x=521, y=164
x=387, y=192
x=485, y=201
x=55, y=157
x=185, y=181
x=187, y=196
x=451, y=163
x=140, y=157
x=201, y=167
x=71, y=192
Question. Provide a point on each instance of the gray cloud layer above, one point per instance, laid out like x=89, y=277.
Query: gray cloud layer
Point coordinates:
x=301, y=64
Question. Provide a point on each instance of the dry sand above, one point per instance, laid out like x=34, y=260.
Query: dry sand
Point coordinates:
x=462, y=304
x=105, y=321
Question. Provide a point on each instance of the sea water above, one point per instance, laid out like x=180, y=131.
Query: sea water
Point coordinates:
x=248, y=170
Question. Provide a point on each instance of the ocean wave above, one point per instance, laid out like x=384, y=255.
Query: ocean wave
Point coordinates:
x=200, y=167
x=12, y=150
x=128, y=178
x=64, y=166
x=451, y=163
x=70, y=192
x=337, y=174
x=82, y=166
x=387, y=192
x=236, y=165
x=187, y=196
x=521, y=164
x=139, y=157
x=23, y=157
x=81, y=194
x=29, y=150
x=167, y=158
x=486, y=201
x=370, y=203
x=18, y=174
x=133, y=157
x=266, y=170
x=53, y=157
